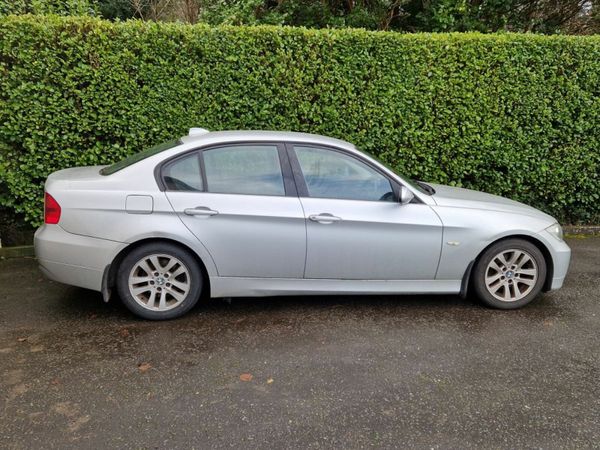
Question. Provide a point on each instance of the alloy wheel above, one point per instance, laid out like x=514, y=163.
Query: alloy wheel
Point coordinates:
x=159, y=282
x=511, y=275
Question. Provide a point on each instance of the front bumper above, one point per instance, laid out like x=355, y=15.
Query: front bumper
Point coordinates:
x=561, y=258
x=73, y=259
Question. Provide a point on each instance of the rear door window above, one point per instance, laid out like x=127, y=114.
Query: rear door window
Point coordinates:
x=184, y=174
x=244, y=169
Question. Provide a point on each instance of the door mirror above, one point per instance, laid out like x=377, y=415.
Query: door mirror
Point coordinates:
x=406, y=195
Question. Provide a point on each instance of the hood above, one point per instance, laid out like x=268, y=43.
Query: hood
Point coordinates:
x=466, y=198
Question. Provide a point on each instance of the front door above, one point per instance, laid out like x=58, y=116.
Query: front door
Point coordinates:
x=356, y=228
x=236, y=201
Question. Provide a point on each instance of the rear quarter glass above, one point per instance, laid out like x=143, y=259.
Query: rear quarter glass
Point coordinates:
x=137, y=157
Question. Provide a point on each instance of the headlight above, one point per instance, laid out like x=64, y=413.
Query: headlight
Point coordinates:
x=556, y=231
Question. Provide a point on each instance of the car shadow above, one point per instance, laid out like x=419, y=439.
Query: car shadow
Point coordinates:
x=245, y=311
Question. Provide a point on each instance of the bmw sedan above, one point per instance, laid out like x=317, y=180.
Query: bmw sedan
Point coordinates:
x=258, y=213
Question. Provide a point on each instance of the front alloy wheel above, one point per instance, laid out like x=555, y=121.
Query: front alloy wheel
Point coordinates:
x=509, y=274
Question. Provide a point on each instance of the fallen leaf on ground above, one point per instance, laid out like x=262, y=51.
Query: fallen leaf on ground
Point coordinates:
x=144, y=367
x=246, y=377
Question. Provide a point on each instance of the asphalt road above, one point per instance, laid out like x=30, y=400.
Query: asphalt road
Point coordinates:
x=326, y=372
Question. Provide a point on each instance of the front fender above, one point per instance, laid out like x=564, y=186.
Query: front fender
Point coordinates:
x=467, y=232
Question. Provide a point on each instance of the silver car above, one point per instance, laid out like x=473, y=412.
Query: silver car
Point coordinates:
x=258, y=213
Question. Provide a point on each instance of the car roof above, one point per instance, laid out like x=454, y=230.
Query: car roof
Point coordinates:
x=214, y=137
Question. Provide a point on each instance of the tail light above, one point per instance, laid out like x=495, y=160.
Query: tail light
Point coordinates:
x=51, y=210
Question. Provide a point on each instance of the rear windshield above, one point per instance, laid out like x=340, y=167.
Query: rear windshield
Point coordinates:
x=139, y=156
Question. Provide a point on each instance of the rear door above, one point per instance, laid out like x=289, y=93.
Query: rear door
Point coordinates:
x=240, y=201
x=356, y=227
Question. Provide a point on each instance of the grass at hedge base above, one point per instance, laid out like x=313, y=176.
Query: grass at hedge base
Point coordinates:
x=515, y=115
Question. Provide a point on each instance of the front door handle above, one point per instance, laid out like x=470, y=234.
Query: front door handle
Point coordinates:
x=200, y=211
x=324, y=218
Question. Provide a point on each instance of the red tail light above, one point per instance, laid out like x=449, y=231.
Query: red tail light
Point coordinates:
x=51, y=210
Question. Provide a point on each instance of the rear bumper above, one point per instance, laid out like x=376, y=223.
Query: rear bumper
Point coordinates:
x=73, y=259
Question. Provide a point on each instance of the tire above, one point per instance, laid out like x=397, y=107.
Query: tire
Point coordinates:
x=159, y=281
x=509, y=274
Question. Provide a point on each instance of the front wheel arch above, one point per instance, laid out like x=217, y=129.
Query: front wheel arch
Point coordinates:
x=466, y=281
x=110, y=273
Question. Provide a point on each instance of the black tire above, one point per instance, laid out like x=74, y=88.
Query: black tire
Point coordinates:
x=186, y=302
x=478, y=277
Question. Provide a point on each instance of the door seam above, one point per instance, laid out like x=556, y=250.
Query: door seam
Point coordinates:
x=192, y=233
x=305, y=238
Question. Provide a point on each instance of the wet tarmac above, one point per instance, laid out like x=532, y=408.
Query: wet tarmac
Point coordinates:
x=301, y=372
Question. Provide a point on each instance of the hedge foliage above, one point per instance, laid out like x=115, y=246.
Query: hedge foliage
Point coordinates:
x=61, y=7
x=515, y=115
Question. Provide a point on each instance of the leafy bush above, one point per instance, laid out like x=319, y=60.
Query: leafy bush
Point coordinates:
x=515, y=115
x=115, y=9
x=62, y=7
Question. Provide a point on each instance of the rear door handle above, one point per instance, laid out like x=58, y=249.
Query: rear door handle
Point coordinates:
x=324, y=218
x=200, y=211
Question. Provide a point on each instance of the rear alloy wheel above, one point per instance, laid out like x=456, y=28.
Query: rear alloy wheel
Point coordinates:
x=159, y=281
x=509, y=274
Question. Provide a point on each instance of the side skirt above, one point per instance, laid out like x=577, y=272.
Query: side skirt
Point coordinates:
x=262, y=287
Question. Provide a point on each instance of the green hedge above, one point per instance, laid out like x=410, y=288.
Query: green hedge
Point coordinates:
x=61, y=7
x=515, y=115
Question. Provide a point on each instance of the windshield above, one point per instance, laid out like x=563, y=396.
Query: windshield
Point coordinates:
x=109, y=170
x=420, y=186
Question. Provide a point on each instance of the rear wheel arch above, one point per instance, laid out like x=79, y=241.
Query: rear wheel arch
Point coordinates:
x=111, y=271
x=466, y=284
